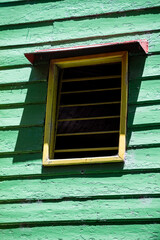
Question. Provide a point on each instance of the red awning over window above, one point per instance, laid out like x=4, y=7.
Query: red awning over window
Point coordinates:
x=133, y=47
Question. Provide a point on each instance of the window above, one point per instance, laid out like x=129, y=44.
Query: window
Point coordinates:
x=86, y=110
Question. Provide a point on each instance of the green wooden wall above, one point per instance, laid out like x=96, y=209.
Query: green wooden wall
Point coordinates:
x=98, y=202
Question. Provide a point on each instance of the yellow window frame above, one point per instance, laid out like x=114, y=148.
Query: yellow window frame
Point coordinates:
x=50, y=122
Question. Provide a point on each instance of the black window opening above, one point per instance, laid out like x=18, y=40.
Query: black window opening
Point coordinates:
x=88, y=111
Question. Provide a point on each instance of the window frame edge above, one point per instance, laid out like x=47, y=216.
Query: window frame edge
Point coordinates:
x=52, y=102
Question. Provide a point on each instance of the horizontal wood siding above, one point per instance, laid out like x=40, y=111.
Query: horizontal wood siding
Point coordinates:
x=86, y=231
x=87, y=210
x=58, y=30
x=61, y=10
x=101, y=201
x=79, y=187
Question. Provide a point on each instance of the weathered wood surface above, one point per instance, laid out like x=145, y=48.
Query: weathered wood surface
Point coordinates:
x=144, y=67
x=91, y=210
x=24, y=139
x=87, y=232
x=61, y=10
x=143, y=116
x=152, y=36
x=32, y=93
x=144, y=91
x=81, y=28
x=105, y=186
x=29, y=115
x=23, y=75
x=144, y=138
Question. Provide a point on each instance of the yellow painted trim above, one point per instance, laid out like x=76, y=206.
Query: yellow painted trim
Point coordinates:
x=89, y=104
x=87, y=118
x=124, y=102
x=54, y=112
x=91, y=78
x=88, y=60
x=86, y=133
x=86, y=149
x=48, y=119
x=49, y=135
x=92, y=90
x=76, y=161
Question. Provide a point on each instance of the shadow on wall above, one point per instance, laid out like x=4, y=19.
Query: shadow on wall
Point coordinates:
x=30, y=135
x=31, y=131
x=136, y=67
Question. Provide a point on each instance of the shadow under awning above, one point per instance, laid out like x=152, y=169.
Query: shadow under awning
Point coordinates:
x=133, y=47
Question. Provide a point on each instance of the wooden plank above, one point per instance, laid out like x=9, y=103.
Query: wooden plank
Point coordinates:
x=84, y=27
x=23, y=139
x=141, y=91
x=145, y=137
x=121, y=209
x=57, y=10
x=98, y=232
x=80, y=186
x=31, y=164
x=21, y=164
x=143, y=115
x=15, y=57
x=145, y=66
x=142, y=159
x=10, y=1
x=105, y=25
x=22, y=116
x=151, y=36
x=32, y=93
x=27, y=34
x=24, y=74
